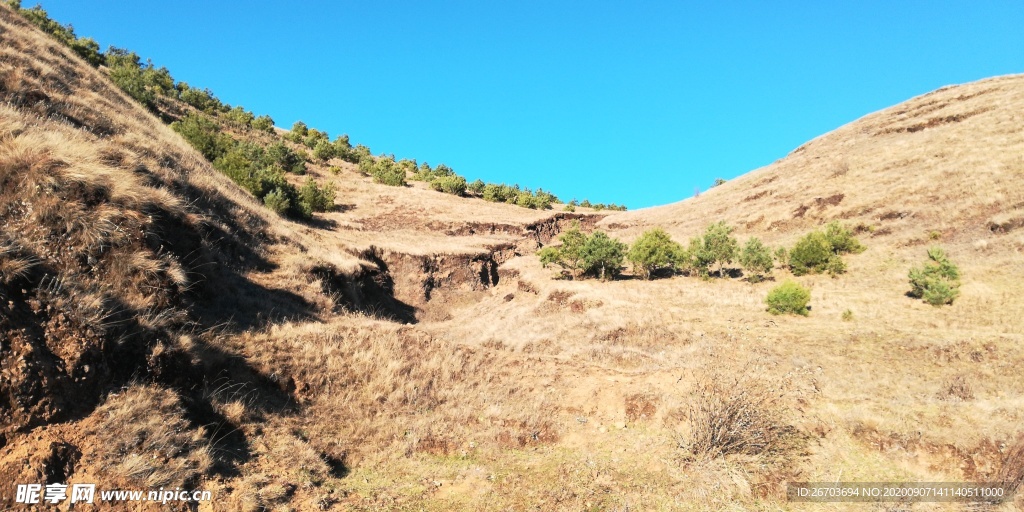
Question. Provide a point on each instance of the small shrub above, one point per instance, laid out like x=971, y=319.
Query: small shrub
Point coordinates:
x=314, y=137
x=819, y=252
x=938, y=281
x=781, y=256
x=477, y=187
x=847, y=315
x=603, y=256
x=317, y=198
x=281, y=155
x=756, y=259
x=201, y=99
x=718, y=181
x=383, y=170
x=568, y=255
x=277, y=201
x=813, y=254
x=738, y=415
x=263, y=123
x=716, y=246
x=455, y=185
x=239, y=117
x=652, y=251
x=203, y=134
x=324, y=151
x=298, y=132
x=569, y=208
x=841, y=239
x=789, y=297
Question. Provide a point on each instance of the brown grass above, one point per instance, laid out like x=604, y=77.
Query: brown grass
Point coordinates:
x=139, y=438
x=511, y=390
x=737, y=413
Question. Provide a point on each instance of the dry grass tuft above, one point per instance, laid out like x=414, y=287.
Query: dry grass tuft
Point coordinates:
x=738, y=413
x=141, y=438
x=957, y=388
x=1011, y=470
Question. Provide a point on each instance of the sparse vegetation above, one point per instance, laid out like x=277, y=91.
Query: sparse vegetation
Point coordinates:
x=716, y=247
x=143, y=439
x=756, y=259
x=603, y=255
x=455, y=185
x=819, y=252
x=384, y=170
x=597, y=255
x=568, y=255
x=789, y=297
x=133, y=281
x=653, y=251
x=732, y=414
x=937, y=282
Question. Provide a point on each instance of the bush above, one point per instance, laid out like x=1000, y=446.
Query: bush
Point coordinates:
x=239, y=117
x=738, y=415
x=316, y=198
x=277, y=201
x=298, y=132
x=756, y=259
x=716, y=246
x=782, y=256
x=789, y=297
x=569, y=255
x=841, y=239
x=314, y=137
x=455, y=185
x=324, y=151
x=383, y=170
x=263, y=123
x=813, y=254
x=603, y=256
x=653, y=251
x=203, y=134
x=819, y=252
x=141, y=82
x=476, y=187
x=200, y=99
x=569, y=208
x=281, y=155
x=85, y=47
x=496, y=193
x=938, y=281
x=130, y=79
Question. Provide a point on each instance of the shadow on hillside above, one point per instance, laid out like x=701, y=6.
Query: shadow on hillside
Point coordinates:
x=320, y=223
x=223, y=377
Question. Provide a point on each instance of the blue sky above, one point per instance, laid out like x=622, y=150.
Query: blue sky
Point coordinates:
x=626, y=102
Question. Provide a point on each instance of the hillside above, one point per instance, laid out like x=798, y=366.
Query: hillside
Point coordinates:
x=161, y=326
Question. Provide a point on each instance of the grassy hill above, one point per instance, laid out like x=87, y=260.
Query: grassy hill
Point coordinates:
x=160, y=326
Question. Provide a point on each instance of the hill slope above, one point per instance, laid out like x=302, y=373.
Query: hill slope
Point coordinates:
x=407, y=350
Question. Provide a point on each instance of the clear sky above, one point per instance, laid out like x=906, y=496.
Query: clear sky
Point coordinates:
x=635, y=102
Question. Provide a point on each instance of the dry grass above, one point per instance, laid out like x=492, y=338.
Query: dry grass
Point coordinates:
x=513, y=390
x=139, y=438
x=737, y=413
